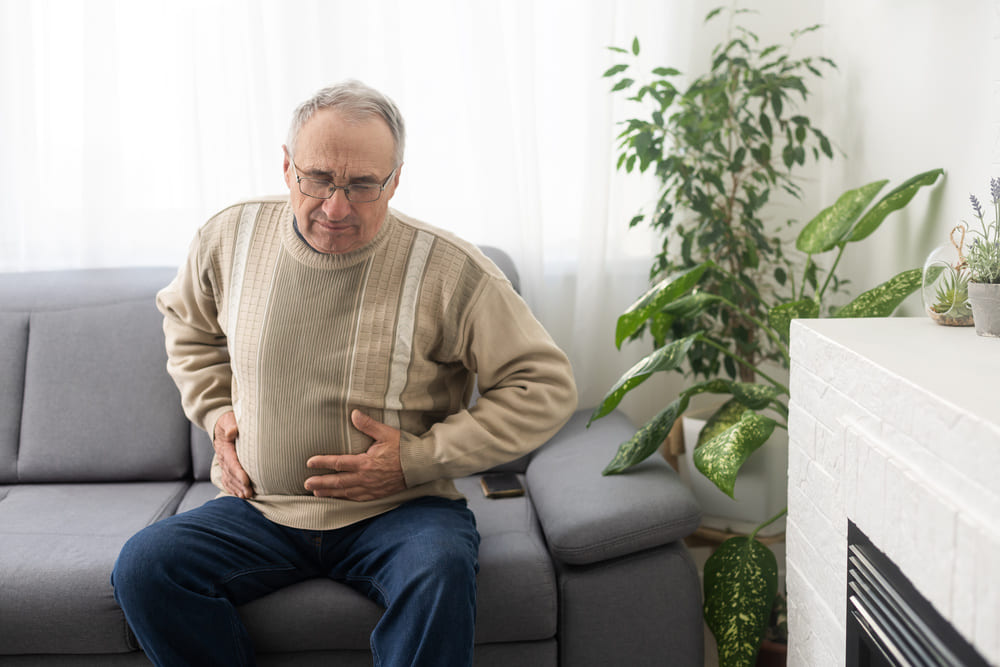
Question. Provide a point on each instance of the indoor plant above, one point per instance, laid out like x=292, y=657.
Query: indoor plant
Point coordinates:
x=741, y=576
x=722, y=149
x=983, y=262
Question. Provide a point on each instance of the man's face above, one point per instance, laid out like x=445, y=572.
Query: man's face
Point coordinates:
x=344, y=152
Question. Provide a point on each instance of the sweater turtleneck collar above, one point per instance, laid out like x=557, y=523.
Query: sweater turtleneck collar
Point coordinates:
x=300, y=249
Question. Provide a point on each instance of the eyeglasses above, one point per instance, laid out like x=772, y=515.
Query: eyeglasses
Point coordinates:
x=356, y=193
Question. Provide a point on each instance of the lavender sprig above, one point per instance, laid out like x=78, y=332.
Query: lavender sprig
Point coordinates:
x=976, y=207
x=983, y=256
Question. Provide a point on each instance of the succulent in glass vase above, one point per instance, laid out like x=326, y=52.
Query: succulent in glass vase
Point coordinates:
x=952, y=297
x=945, y=289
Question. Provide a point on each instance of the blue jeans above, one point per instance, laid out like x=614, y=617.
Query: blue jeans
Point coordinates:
x=180, y=580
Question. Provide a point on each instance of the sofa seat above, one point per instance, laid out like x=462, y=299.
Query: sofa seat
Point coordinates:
x=517, y=599
x=59, y=543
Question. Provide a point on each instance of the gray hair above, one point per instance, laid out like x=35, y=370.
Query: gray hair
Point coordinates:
x=358, y=102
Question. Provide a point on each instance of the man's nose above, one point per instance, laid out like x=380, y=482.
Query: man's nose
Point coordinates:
x=337, y=206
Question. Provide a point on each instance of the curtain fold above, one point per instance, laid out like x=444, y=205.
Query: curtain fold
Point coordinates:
x=126, y=124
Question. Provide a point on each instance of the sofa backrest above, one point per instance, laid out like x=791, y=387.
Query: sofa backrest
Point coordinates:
x=84, y=392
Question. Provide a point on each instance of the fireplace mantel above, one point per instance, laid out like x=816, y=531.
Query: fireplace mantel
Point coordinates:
x=894, y=424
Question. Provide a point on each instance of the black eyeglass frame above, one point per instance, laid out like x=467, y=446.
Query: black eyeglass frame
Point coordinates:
x=346, y=188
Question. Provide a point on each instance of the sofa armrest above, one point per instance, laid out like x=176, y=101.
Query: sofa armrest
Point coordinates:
x=587, y=517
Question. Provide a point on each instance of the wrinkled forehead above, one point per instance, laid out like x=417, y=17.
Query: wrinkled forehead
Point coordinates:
x=331, y=135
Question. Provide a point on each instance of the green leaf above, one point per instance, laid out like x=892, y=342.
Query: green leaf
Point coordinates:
x=729, y=413
x=647, y=439
x=720, y=458
x=765, y=125
x=881, y=301
x=635, y=46
x=666, y=358
x=712, y=14
x=776, y=105
x=691, y=306
x=659, y=328
x=828, y=229
x=622, y=85
x=895, y=200
x=780, y=317
x=754, y=395
x=824, y=145
x=666, y=71
x=654, y=300
x=615, y=70
x=741, y=581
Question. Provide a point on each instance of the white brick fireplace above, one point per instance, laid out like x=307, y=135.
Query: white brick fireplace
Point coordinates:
x=894, y=425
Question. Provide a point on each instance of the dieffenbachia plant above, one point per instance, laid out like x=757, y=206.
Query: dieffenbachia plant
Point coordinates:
x=741, y=576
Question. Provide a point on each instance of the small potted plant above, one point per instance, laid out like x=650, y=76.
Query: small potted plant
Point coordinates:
x=983, y=261
x=945, y=288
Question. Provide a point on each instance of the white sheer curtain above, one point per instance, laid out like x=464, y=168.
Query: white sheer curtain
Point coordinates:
x=125, y=124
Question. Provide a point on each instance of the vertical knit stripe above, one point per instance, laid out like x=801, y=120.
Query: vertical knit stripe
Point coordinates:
x=402, y=352
x=244, y=233
x=305, y=356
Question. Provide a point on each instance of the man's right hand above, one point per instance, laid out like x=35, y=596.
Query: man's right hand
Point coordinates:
x=234, y=478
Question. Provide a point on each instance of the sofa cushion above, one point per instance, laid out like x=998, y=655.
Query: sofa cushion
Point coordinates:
x=98, y=402
x=518, y=599
x=59, y=544
x=13, y=347
x=517, y=587
x=588, y=517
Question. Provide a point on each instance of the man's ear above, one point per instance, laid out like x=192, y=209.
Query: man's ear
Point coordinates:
x=395, y=180
x=287, y=167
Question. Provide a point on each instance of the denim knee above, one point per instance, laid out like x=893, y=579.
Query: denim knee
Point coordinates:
x=141, y=563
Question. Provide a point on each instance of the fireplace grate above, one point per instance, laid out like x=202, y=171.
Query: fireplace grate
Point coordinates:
x=888, y=622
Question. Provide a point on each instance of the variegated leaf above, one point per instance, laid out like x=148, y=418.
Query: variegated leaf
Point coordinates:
x=780, y=317
x=741, y=581
x=729, y=413
x=647, y=439
x=666, y=358
x=881, y=301
x=754, y=395
x=721, y=458
x=658, y=296
x=692, y=305
x=895, y=200
x=829, y=228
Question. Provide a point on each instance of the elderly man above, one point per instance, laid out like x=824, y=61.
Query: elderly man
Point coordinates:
x=330, y=345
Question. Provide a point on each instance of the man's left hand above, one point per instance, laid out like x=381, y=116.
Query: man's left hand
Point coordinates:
x=375, y=474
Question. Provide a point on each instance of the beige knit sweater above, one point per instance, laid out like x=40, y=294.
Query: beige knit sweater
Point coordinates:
x=293, y=340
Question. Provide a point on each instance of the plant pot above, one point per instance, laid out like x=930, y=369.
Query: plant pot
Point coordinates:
x=772, y=654
x=985, y=299
x=761, y=487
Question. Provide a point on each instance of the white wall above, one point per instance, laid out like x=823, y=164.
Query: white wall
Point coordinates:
x=916, y=91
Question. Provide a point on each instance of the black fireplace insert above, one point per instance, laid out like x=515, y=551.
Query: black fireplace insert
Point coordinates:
x=889, y=623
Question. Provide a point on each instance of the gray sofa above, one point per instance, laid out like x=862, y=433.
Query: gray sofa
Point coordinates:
x=583, y=570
